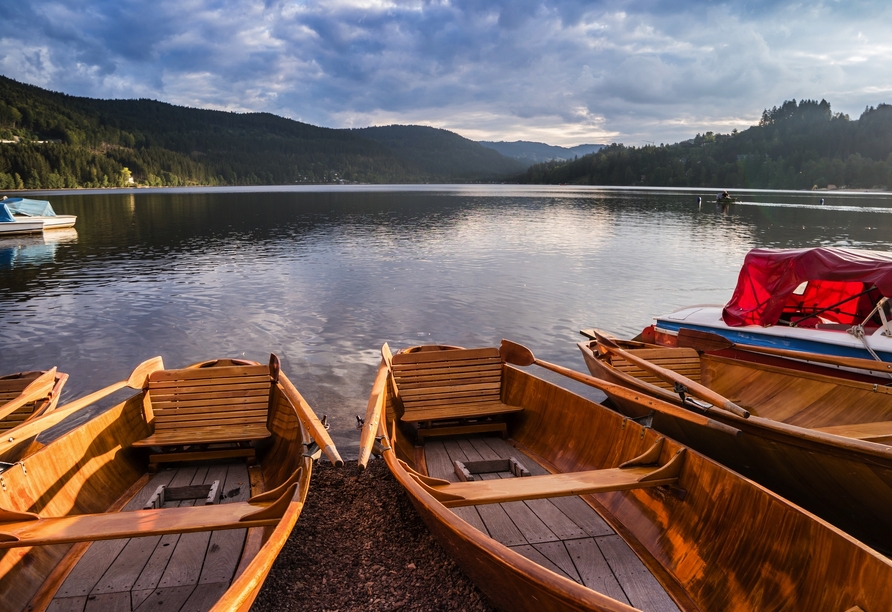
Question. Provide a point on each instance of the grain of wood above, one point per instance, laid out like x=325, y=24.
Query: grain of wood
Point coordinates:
x=68, y=604
x=557, y=554
x=108, y=602
x=168, y=599
x=594, y=571
x=642, y=589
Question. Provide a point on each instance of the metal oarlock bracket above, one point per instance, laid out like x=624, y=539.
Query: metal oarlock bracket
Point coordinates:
x=312, y=450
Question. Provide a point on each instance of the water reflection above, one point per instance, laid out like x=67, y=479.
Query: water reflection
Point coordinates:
x=33, y=249
x=323, y=278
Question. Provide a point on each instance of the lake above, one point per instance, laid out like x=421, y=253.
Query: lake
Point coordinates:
x=322, y=276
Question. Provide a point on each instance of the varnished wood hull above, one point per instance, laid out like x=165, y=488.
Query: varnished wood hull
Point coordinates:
x=94, y=468
x=728, y=545
x=847, y=482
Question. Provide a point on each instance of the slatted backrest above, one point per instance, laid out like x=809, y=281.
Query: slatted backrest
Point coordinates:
x=202, y=397
x=684, y=361
x=437, y=378
x=11, y=387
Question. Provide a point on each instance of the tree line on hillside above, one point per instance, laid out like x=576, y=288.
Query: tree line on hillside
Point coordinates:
x=52, y=140
x=800, y=145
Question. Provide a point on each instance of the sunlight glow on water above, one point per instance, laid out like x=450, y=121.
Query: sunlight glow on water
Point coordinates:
x=323, y=278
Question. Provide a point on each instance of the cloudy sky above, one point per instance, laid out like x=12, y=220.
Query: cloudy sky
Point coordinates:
x=562, y=72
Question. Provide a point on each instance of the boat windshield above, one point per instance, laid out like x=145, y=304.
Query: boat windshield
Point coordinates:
x=5, y=214
x=809, y=287
x=29, y=208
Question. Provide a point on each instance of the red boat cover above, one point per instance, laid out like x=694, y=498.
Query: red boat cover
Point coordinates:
x=843, y=286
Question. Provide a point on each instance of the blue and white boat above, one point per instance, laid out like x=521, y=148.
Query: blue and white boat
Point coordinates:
x=23, y=216
x=829, y=301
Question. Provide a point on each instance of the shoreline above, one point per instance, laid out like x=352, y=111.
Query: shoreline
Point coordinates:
x=496, y=188
x=359, y=545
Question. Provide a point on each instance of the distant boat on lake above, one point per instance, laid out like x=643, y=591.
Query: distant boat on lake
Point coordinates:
x=23, y=216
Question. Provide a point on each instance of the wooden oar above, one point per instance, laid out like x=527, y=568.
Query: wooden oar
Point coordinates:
x=32, y=428
x=311, y=421
x=519, y=355
x=37, y=389
x=695, y=388
x=707, y=341
x=373, y=414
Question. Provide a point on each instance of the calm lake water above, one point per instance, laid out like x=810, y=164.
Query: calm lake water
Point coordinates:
x=323, y=276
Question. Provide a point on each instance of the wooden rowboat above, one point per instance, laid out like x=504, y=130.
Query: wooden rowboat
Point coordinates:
x=613, y=515
x=820, y=437
x=86, y=524
x=28, y=395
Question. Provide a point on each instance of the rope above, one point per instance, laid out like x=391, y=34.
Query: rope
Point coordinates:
x=858, y=332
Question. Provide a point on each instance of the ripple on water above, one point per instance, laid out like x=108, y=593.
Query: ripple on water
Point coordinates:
x=324, y=279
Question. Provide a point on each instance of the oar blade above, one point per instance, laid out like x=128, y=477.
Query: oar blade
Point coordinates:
x=140, y=374
x=516, y=354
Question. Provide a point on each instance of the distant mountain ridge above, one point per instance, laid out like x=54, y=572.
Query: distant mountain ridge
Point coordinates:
x=53, y=140
x=439, y=152
x=537, y=152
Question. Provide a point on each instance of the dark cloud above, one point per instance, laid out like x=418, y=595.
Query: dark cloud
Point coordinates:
x=560, y=71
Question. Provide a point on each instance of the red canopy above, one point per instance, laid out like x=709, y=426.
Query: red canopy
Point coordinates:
x=843, y=285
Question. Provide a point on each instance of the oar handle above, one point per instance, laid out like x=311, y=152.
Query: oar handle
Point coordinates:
x=640, y=398
x=373, y=414
x=310, y=420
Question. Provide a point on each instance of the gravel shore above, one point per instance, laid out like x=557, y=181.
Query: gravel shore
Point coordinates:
x=360, y=545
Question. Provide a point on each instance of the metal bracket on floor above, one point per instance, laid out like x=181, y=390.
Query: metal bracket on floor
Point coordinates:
x=378, y=448
x=312, y=450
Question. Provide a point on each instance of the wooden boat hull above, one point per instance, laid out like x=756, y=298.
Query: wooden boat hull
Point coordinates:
x=845, y=481
x=700, y=544
x=94, y=468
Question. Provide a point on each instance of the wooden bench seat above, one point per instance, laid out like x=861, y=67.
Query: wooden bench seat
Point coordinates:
x=684, y=361
x=208, y=406
x=450, y=385
x=872, y=432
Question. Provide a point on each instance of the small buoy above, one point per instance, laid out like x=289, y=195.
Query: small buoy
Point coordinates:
x=822, y=201
x=699, y=200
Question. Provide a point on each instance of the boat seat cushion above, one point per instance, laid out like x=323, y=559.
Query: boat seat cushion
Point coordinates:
x=452, y=384
x=209, y=405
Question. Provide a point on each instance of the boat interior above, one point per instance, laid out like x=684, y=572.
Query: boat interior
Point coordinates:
x=95, y=521
x=830, y=400
x=563, y=534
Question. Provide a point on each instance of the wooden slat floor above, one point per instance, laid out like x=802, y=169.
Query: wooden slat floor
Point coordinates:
x=563, y=534
x=174, y=573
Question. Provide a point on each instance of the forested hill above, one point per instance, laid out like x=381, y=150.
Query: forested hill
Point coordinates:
x=795, y=146
x=53, y=140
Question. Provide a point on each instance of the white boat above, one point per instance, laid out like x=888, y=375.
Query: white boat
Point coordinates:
x=31, y=216
x=10, y=225
x=824, y=300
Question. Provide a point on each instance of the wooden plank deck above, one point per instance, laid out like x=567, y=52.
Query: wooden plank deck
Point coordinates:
x=184, y=572
x=563, y=534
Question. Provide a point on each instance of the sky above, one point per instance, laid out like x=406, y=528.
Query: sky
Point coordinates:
x=560, y=72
